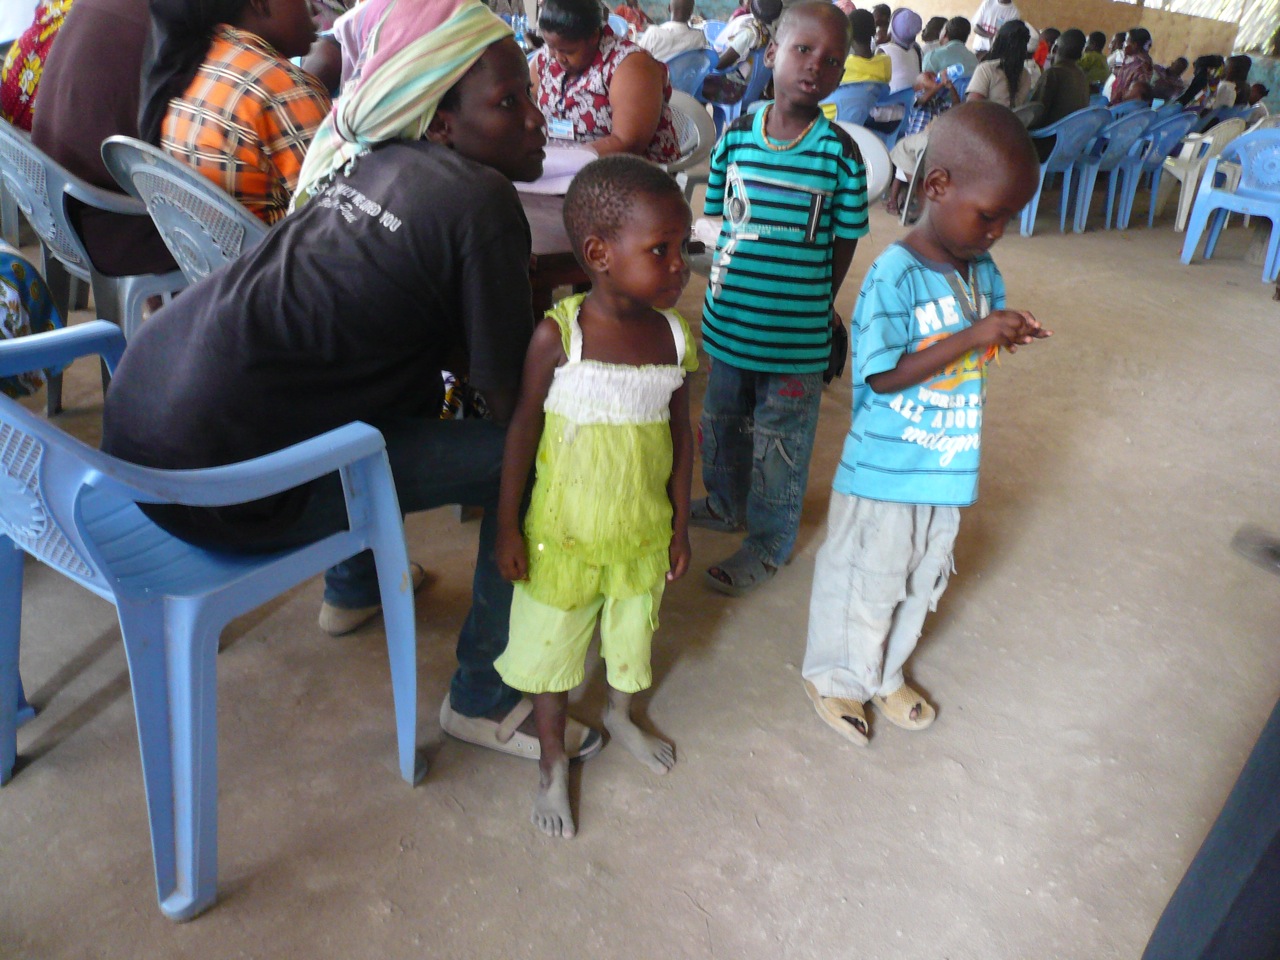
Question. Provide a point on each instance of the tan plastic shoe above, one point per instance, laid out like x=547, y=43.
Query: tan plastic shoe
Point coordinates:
x=846, y=717
x=337, y=621
x=898, y=705
x=580, y=741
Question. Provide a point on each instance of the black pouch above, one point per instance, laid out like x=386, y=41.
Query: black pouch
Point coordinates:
x=839, y=350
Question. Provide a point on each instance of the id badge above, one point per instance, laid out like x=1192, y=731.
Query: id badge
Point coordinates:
x=560, y=129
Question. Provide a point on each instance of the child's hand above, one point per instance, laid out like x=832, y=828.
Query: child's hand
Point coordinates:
x=678, y=554
x=509, y=553
x=1009, y=328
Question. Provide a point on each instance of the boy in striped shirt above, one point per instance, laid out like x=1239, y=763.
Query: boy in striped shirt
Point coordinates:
x=930, y=316
x=792, y=189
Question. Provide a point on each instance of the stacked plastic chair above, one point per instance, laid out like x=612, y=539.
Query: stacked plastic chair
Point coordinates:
x=712, y=30
x=1188, y=166
x=1160, y=139
x=1072, y=135
x=76, y=510
x=905, y=99
x=1118, y=151
x=1256, y=192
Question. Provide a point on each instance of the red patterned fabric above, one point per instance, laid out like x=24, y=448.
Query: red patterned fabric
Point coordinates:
x=24, y=64
x=584, y=99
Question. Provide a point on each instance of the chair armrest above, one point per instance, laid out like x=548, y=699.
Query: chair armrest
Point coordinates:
x=40, y=351
x=105, y=200
x=251, y=479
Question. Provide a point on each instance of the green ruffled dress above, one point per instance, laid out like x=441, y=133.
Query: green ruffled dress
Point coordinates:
x=599, y=519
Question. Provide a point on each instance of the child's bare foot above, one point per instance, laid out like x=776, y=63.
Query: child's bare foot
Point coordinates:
x=551, y=813
x=654, y=752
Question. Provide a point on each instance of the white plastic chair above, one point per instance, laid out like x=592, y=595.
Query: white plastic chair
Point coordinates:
x=75, y=509
x=1188, y=166
x=696, y=132
x=874, y=156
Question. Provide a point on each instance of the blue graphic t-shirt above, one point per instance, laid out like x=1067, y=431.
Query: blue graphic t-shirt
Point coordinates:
x=920, y=445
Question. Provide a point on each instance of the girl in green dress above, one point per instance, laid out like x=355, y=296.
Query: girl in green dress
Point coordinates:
x=603, y=419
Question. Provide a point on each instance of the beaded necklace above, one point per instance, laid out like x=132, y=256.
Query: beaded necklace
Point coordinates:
x=779, y=147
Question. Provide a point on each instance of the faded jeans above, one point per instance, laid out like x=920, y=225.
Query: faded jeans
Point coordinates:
x=757, y=437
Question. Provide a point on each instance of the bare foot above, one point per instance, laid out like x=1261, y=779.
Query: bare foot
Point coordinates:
x=654, y=752
x=551, y=812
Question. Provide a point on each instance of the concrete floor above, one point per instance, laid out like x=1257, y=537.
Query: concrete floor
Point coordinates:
x=1101, y=664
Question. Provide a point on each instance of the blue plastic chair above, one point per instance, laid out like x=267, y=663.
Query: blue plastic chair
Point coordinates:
x=76, y=510
x=41, y=187
x=1257, y=193
x=712, y=30
x=1098, y=100
x=1126, y=107
x=203, y=227
x=1117, y=151
x=905, y=98
x=962, y=87
x=1161, y=138
x=853, y=101
x=726, y=113
x=688, y=70
x=619, y=26
x=1071, y=137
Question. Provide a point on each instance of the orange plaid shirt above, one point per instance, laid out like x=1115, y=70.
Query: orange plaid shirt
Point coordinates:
x=246, y=121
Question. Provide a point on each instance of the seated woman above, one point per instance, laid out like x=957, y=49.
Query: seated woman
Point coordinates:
x=1002, y=76
x=220, y=94
x=24, y=63
x=598, y=89
x=407, y=249
x=1137, y=67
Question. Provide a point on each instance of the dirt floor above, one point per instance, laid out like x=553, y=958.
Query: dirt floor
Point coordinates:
x=1101, y=663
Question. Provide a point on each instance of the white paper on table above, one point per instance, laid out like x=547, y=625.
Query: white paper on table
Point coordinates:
x=558, y=170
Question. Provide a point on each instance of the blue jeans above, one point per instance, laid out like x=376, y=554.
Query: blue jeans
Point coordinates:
x=435, y=463
x=757, y=437
x=1226, y=907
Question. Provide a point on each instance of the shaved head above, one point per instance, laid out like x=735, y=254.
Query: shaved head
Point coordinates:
x=814, y=11
x=980, y=139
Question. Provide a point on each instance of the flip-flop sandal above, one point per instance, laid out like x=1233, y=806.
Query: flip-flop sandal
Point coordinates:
x=898, y=705
x=846, y=717
x=741, y=573
x=580, y=741
x=700, y=515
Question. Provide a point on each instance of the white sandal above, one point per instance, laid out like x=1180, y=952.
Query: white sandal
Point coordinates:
x=580, y=741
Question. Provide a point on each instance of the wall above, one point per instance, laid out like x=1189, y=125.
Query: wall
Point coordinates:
x=1173, y=34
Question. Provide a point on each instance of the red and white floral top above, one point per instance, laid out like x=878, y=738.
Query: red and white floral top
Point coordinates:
x=584, y=100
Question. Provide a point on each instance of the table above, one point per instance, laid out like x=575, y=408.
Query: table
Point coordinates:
x=552, y=263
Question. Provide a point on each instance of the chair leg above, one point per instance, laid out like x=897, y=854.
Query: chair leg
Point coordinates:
x=395, y=584
x=1271, y=265
x=1114, y=180
x=172, y=668
x=11, y=699
x=1217, y=220
x=1195, y=230
x=1186, y=198
x=1029, y=211
x=53, y=394
x=1088, y=178
x=1064, y=202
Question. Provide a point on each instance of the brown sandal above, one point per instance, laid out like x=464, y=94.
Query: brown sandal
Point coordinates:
x=845, y=717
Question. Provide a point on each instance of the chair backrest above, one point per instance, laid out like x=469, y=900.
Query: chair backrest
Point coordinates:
x=37, y=185
x=203, y=227
x=1121, y=135
x=962, y=86
x=1126, y=107
x=904, y=98
x=694, y=128
x=1098, y=100
x=874, y=156
x=1029, y=113
x=853, y=101
x=619, y=26
x=1258, y=154
x=688, y=70
x=1072, y=134
x=1171, y=108
x=1164, y=135
x=760, y=77
x=1266, y=123
x=712, y=30
x=1216, y=140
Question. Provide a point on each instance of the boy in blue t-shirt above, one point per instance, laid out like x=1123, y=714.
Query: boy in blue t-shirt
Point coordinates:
x=930, y=316
x=792, y=189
